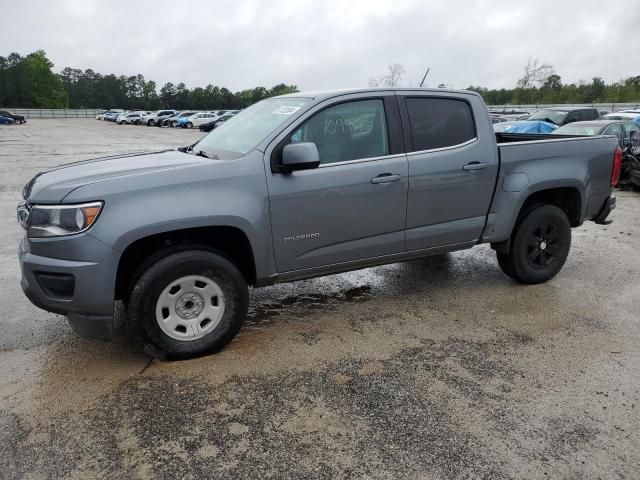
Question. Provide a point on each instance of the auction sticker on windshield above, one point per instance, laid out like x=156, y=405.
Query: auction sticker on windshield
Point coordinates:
x=285, y=110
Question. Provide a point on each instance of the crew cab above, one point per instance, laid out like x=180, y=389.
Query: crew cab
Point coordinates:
x=294, y=187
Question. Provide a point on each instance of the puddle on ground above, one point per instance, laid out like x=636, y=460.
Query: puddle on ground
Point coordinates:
x=262, y=314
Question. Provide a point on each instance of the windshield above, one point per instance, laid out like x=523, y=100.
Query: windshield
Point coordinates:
x=573, y=129
x=244, y=131
x=556, y=116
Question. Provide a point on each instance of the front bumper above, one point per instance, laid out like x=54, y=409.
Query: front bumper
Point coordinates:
x=608, y=206
x=83, y=290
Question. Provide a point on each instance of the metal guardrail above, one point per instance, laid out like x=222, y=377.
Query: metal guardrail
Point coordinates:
x=55, y=112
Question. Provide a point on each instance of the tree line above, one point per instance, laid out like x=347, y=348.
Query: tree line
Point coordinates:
x=540, y=84
x=29, y=82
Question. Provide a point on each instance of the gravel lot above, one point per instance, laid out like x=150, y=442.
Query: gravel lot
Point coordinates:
x=434, y=369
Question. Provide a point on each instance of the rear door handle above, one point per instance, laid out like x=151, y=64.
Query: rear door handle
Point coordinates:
x=475, y=166
x=386, y=178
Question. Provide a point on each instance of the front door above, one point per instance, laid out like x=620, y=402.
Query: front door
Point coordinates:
x=353, y=205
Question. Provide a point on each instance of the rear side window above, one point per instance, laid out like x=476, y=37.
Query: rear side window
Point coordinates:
x=439, y=122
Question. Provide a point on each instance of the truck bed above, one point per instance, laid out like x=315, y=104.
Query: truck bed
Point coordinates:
x=548, y=161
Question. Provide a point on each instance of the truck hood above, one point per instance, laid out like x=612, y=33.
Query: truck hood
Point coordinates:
x=52, y=186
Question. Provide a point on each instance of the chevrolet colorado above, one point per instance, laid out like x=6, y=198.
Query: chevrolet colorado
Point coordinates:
x=298, y=186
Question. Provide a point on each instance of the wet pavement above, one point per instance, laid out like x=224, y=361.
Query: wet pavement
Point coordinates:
x=441, y=368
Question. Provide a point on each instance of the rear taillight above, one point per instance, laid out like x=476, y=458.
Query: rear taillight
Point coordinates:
x=617, y=167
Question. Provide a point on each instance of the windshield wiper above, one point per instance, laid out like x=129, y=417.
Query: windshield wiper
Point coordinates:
x=186, y=149
x=201, y=153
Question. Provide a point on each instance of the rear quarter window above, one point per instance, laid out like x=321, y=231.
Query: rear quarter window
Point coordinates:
x=439, y=122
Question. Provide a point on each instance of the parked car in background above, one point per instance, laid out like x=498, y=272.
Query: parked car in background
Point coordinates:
x=154, y=118
x=105, y=113
x=196, y=119
x=17, y=118
x=207, y=127
x=622, y=130
x=563, y=115
x=111, y=116
x=6, y=121
x=130, y=118
x=628, y=116
x=172, y=121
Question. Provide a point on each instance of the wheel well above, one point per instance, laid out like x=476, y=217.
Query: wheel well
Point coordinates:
x=229, y=241
x=566, y=198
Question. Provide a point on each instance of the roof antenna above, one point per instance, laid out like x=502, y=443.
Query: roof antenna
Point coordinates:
x=425, y=77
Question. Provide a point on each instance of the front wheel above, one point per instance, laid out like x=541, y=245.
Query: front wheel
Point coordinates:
x=187, y=304
x=189, y=125
x=539, y=247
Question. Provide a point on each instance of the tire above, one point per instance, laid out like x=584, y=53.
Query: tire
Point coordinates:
x=186, y=304
x=189, y=125
x=506, y=265
x=149, y=123
x=539, y=246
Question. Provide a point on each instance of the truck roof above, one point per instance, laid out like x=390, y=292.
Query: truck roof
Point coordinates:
x=324, y=94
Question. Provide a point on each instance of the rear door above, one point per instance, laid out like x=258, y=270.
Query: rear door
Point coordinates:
x=351, y=207
x=453, y=165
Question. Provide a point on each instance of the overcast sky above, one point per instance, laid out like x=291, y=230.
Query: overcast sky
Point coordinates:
x=328, y=44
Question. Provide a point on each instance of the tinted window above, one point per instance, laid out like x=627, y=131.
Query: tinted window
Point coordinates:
x=347, y=131
x=573, y=117
x=588, y=114
x=439, y=122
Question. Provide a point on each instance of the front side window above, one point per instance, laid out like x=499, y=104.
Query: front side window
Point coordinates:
x=439, y=122
x=348, y=131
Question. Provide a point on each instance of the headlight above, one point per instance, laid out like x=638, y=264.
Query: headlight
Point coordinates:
x=58, y=220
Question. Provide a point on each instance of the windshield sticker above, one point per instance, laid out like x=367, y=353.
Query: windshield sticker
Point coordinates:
x=284, y=110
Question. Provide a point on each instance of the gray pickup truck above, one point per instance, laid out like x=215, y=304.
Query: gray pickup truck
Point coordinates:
x=294, y=187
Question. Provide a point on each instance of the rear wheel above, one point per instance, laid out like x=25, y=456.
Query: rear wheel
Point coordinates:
x=539, y=247
x=189, y=125
x=187, y=304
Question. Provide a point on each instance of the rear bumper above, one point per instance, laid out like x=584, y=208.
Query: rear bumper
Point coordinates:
x=608, y=206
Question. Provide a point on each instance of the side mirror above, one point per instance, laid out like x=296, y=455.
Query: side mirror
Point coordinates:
x=300, y=156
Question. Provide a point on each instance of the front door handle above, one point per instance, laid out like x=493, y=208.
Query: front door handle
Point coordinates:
x=386, y=178
x=475, y=166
